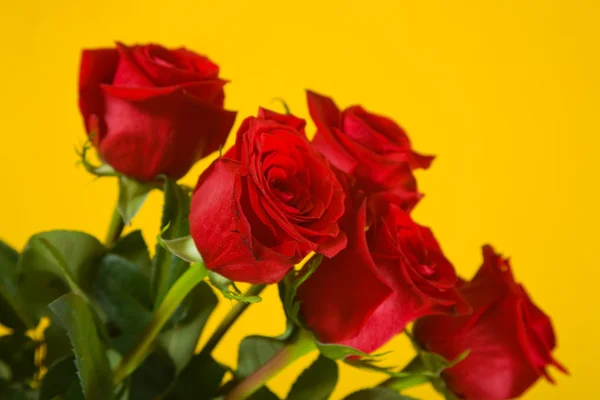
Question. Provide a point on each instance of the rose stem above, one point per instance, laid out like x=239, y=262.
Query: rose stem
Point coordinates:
x=399, y=384
x=300, y=346
x=115, y=228
x=414, y=376
x=182, y=287
x=236, y=311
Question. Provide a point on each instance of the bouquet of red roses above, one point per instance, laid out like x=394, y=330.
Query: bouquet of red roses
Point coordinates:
x=328, y=221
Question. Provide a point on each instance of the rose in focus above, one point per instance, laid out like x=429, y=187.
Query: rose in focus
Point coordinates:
x=510, y=339
x=268, y=203
x=150, y=110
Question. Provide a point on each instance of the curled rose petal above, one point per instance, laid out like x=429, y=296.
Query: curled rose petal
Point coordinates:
x=371, y=148
x=509, y=338
x=288, y=202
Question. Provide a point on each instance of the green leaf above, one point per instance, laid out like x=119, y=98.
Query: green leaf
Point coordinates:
x=167, y=268
x=132, y=195
x=5, y=372
x=440, y=386
x=229, y=290
x=338, y=351
x=188, y=281
x=200, y=380
x=8, y=392
x=17, y=354
x=8, y=253
x=377, y=394
x=264, y=393
x=316, y=382
x=290, y=305
x=90, y=353
x=98, y=170
x=254, y=352
x=367, y=364
x=181, y=339
x=58, y=345
x=43, y=277
x=63, y=267
x=183, y=247
x=60, y=379
x=74, y=393
x=425, y=367
x=13, y=309
x=435, y=363
x=134, y=248
x=123, y=292
x=152, y=378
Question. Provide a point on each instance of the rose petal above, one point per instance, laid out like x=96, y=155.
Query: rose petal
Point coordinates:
x=215, y=225
x=338, y=298
x=97, y=67
x=164, y=134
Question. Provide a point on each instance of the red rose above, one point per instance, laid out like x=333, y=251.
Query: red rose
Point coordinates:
x=151, y=110
x=372, y=148
x=267, y=203
x=388, y=275
x=510, y=339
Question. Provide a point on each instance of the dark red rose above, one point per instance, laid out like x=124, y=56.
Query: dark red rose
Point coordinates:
x=151, y=110
x=372, y=148
x=268, y=203
x=391, y=272
x=510, y=339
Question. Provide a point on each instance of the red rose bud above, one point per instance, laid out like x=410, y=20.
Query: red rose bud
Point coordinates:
x=372, y=148
x=268, y=203
x=151, y=110
x=510, y=339
x=388, y=275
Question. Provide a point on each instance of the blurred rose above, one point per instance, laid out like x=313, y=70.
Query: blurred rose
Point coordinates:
x=510, y=339
x=391, y=272
x=371, y=148
x=150, y=110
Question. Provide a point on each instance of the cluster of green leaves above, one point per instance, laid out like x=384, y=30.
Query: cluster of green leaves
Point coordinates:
x=317, y=382
x=426, y=367
x=102, y=301
x=99, y=301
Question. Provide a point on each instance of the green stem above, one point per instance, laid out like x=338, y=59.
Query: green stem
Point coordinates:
x=115, y=228
x=302, y=345
x=415, y=375
x=236, y=311
x=399, y=384
x=182, y=287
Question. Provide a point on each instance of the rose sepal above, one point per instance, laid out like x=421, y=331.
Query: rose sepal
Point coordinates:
x=185, y=248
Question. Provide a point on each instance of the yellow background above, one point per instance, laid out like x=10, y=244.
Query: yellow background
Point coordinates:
x=506, y=93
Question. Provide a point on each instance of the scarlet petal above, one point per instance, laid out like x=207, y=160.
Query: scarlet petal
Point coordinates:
x=152, y=133
x=333, y=246
x=323, y=110
x=420, y=161
x=129, y=73
x=338, y=299
x=326, y=116
x=386, y=321
x=97, y=67
x=215, y=220
x=286, y=119
x=171, y=67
